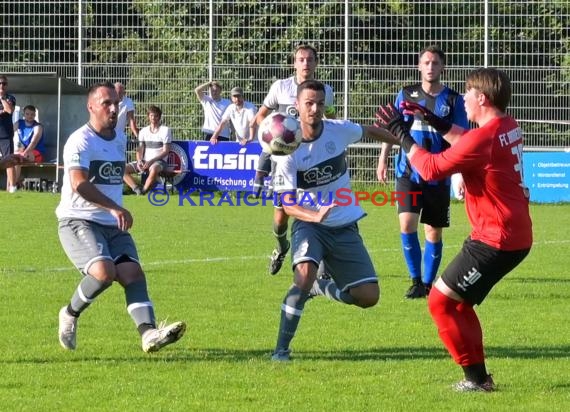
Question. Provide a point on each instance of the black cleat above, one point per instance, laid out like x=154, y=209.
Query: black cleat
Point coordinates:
x=416, y=291
x=277, y=259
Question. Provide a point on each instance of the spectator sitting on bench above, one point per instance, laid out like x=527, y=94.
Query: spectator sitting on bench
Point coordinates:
x=28, y=139
x=154, y=146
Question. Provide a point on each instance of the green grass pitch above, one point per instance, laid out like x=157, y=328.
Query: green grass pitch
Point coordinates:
x=208, y=266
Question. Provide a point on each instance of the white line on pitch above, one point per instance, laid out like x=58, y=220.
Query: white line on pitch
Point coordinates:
x=232, y=258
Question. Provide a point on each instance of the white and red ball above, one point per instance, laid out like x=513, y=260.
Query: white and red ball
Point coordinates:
x=279, y=134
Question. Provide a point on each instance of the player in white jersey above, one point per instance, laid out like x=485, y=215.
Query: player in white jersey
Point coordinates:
x=281, y=97
x=93, y=225
x=152, y=153
x=314, y=185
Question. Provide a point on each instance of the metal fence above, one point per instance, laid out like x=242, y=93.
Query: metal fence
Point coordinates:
x=368, y=51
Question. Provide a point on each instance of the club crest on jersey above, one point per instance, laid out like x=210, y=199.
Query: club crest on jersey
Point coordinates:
x=444, y=110
x=330, y=147
x=292, y=111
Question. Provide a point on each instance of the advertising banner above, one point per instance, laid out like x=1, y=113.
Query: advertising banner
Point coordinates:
x=547, y=175
x=226, y=166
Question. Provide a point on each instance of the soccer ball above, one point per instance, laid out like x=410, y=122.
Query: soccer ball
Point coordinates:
x=279, y=134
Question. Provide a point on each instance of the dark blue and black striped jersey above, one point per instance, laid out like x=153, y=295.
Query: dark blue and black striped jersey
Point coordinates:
x=448, y=104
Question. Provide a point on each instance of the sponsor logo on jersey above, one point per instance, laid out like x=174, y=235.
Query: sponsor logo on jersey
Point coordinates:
x=106, y=172
x=322, y=173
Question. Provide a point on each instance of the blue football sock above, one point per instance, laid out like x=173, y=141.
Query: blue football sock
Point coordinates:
x=432, y=259
x=291, y=311
x=412, y=254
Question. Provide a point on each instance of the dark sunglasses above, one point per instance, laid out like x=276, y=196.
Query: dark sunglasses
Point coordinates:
x=4, y=83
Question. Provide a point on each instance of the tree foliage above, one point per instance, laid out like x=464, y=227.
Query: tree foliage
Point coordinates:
x=161, y=50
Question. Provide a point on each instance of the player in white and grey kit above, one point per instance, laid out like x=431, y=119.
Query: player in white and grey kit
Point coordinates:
x=281, y=98
x=314, y=185
x=93, y=225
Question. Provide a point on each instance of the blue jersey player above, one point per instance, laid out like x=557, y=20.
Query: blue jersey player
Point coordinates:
x=432, y=207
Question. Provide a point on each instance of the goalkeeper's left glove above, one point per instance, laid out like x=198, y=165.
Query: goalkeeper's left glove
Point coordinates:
x=441, y=125
x=390, y=119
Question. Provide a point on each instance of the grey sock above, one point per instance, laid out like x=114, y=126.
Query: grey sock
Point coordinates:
x=87, y=290
x=328, y=288
x=291, y=311
x=139, y=305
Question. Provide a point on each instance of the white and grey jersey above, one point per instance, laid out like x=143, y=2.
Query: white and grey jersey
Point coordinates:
x=155, y=141
x=318, y=173
x=283, y=94
x=104, y=160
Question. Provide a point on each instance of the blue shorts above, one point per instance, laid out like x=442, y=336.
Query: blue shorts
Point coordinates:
x=345, y=257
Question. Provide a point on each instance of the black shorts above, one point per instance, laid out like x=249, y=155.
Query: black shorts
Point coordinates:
x=6, y=147
x=478, y=267
x=431, y=201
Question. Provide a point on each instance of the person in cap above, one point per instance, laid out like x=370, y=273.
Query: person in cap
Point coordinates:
x=240, y=113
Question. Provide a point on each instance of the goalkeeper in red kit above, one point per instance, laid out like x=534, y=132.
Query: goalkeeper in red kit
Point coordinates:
x=497, y=204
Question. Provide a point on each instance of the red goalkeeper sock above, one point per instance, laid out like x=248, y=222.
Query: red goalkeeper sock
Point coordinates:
x=458, y=328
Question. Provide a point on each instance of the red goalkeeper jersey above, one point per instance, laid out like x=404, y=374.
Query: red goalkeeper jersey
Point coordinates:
x=490, y=160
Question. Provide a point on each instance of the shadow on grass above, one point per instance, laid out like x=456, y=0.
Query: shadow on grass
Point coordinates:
x=349, y=355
